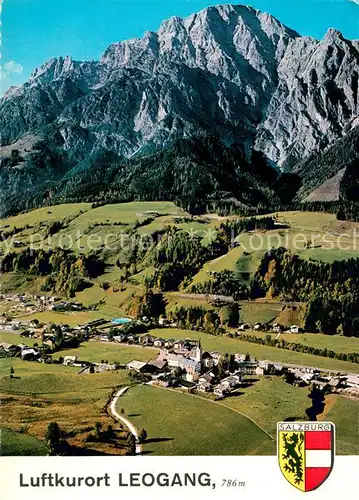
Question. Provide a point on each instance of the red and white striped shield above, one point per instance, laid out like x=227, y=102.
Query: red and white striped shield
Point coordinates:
x=306, y=452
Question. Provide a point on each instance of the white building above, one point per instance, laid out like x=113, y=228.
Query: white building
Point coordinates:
x=204, y=387
x=215, y=356
x=70, y=360
x=220, y=391
x=177, y=361
x=247, y=367
x=207, y=360
x=260, y=371
x=352, y=381
x=135, y=365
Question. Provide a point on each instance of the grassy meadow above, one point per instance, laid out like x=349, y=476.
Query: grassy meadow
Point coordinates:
x=176, y=423
x=40, y=395
x=262, y=312
x=20, y=444
x=182, y=424
x=336, y=343
x=345, y=414
x=270, y=400
x=15, y=338
x=95, y=351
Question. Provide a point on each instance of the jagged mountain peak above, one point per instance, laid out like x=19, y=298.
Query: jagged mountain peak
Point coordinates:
x=332, y=35
x=53, y=68
x=205, y=30
x=228, y=70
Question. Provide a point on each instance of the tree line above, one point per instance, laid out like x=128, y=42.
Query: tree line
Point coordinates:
x=331, y=290
x=65, y=271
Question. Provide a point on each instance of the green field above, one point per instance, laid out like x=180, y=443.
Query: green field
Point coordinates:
x=62, y=385
x=270, y=400
x=24, y=369
x=95, y=351
x=67, y=318
x=262, y=312
x=33, y=399
x=336, y=343
x=345, y=414
x=182, y=424
x=227, y=261
x=329, y=255
x=174, y=301
x=247, y=264
x=20, y=444
x=19, y=282
x=48, y=214
x=226, y=344
x=321, y=229
x=15, y=338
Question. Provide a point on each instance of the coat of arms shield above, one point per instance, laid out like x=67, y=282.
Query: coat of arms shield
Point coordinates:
x=306, y=452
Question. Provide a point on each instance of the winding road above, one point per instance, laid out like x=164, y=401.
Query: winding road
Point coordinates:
x=125, y=420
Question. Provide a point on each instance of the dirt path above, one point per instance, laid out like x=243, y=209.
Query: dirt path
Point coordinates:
x=125, y=420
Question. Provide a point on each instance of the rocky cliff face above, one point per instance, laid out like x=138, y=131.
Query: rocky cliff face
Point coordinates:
x=231, y=71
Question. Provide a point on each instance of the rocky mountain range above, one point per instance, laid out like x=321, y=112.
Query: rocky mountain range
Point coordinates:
x=229, y=71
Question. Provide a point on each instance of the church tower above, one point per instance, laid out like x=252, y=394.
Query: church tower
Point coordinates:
x=199, y=352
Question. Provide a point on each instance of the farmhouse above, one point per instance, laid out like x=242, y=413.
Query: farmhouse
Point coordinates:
x=158, y=342
x=156, y=366
x=215, y=356
x=204, y=387
x=277, y=328
x=180, y=345
x=352, y=381
x=8, y=347
x=29, y=354
x=147, y=339
x=120, y=337
x=260, y=370
x=231, y=381
x=70, y=360
x=137, y=366
x=186, y=385
x=206, y=377
x=162, y=381
x=220, y=391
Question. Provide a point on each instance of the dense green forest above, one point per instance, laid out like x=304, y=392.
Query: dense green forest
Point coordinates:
x=177, y=255
x=199, y=174
x=331, y=290
x=65, y=272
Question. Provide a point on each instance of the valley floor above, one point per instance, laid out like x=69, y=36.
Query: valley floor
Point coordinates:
x=176, y=423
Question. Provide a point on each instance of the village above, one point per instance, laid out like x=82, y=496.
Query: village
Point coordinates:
x=34, y=303
x=180, y=363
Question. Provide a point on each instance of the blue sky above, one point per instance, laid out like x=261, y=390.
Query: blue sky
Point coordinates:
x=36, y=30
